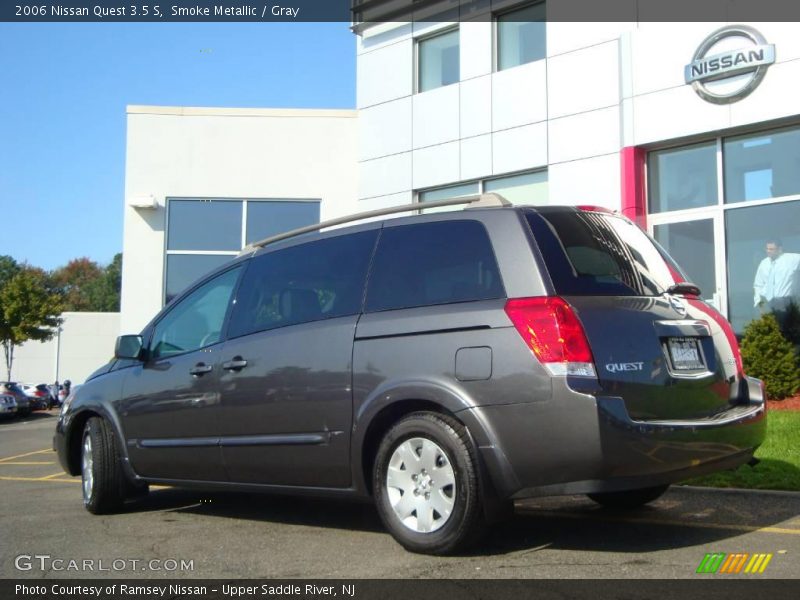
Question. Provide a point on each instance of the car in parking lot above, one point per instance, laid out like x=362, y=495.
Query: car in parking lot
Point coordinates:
x=443, y=364
x=23, y=402
x=8, y=405
x=39, y=395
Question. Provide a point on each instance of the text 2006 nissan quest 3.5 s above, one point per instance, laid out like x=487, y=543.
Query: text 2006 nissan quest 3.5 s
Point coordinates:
x=444, y=364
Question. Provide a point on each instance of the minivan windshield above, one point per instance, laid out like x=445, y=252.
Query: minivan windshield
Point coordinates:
x=598, y=254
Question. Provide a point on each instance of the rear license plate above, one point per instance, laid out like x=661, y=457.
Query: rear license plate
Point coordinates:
x=685, y=354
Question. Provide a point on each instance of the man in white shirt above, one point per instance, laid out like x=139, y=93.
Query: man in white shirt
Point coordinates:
x=777, y=281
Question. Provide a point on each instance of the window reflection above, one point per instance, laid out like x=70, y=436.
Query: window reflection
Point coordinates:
x=438, y=61
x=763, y=248
x=528, y=188
x=265, y=219
x=205, y=225
x=762, y=166
x=691, y=244
x=683, y=178
x=521, y=36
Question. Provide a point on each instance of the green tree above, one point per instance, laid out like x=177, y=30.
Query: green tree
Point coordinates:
x=768, y=355
x=30, y=305
x=8, y=268
x=89, y=287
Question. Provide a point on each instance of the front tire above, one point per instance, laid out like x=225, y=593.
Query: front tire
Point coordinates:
x=629, y=498
x=101, y=470
x=426, y=484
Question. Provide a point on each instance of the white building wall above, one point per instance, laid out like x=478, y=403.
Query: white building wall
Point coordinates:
x=491, y=123
x=229, y=153
x=602, y=87
x=86, y=343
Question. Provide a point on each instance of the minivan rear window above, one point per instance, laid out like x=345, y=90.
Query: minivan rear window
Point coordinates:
x=425, y=264
x=598, y=254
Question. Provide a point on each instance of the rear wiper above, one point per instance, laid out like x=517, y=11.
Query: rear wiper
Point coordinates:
x=684, y=288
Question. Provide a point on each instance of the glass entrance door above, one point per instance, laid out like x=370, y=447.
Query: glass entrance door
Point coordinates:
x=693, y=244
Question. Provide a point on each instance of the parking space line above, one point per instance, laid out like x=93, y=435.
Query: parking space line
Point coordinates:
x=39, y=479
x=51, y=476
x=10, y=458
x=642, y=521
x=27, y=464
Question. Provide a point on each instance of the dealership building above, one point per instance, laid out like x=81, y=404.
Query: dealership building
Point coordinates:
x=690, y=129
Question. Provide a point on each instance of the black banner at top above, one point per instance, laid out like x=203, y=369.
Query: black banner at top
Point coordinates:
x=374, y=11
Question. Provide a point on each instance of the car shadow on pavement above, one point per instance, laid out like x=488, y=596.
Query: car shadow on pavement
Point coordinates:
x=684, y=517
x=34, y=417
x=292, y=510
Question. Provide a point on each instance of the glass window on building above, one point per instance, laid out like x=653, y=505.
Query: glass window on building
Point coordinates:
x=760, y=166
x=683, y=178
x=521, y=36
x=763, y=250
x=203, y=234
x=265, y=219
x=450, y=191
x=741, y=244
x=521, y=189
x=438, y=61
x=691, y=244
x=205, y=225
x=527, y=188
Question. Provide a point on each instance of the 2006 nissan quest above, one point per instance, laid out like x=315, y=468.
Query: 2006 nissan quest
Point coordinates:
x=445, y=364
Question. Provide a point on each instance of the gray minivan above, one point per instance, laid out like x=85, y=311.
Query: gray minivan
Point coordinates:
x=444, y=364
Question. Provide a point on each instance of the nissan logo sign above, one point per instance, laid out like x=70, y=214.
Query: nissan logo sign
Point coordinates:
x=729, y=64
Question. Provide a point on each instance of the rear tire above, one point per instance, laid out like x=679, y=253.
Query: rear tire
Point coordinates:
x=426, y=485
x=101, y=469
x=629, y=498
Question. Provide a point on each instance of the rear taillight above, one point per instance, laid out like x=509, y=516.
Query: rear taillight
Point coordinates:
x=554, y=334
x=40, y=394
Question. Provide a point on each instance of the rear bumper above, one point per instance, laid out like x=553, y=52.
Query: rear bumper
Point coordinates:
x=578, y=443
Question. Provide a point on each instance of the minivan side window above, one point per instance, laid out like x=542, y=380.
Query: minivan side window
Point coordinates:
x=309, y=282
x=433, y=263
x=195, y=321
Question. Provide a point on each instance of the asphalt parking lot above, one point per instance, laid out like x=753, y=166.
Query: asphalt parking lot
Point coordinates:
x=265, y=537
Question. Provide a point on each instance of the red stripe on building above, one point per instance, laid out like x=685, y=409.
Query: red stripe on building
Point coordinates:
x=633, y=185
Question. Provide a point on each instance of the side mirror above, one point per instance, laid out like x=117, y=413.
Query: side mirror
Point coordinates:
x=128, y=347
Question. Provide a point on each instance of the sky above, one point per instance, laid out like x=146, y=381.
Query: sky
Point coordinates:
x=63, y=92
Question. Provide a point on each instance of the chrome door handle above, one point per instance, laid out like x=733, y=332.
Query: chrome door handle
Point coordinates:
x=236, y=364
x=200, y=369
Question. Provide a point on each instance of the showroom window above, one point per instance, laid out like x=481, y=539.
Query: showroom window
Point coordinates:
x=521, y=36
x=762, y=166
x=521, y=189
x=719, y=206
x=438, y=61
x=683, y=178
x=203, y=234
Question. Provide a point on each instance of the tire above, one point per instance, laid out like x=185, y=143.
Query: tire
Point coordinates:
x=103, y=482
x=629, y=498
x=440, y=449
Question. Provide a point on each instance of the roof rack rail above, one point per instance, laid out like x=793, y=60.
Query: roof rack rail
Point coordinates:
x=477, y=201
